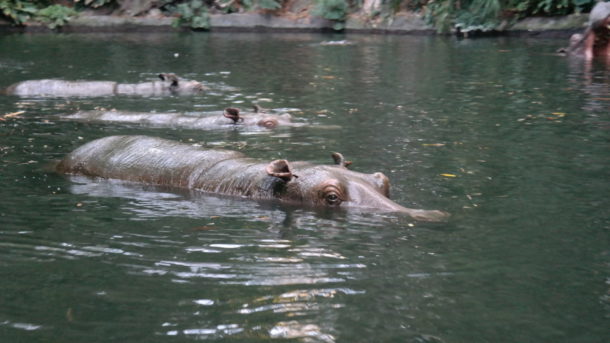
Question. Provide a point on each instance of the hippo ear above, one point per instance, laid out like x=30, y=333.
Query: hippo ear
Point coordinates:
x=233, y=114
x=281, y=169
x=340, y=160
x=258, y=109
x=169, y=77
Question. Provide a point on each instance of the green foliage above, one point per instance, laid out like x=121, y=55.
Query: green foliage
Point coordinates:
x=409, y=5
x=487, y=15
x=558, y=7
x=480, y=15
x=444, y=15
x=18, y=11
x=230, y=6
x=55, y=15
x=552, y=7
x=21, y=11
x=440, y=14
x=192, y=13
x=268, y=4
x=195, y=13
x=332, y=10
x=95, y=3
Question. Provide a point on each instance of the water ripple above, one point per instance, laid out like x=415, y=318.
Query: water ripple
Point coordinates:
x=21, y=326
x=203, y=333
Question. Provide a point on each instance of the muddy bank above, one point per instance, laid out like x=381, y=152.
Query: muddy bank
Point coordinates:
x=401, y=23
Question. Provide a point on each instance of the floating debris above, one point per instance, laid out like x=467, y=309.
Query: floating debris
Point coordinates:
x=448, y=175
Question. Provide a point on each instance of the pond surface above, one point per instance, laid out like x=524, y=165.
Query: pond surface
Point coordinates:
x=509, y=138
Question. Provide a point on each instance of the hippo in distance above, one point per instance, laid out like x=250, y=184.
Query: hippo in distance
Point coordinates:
x=169, y=84
x=230, y=118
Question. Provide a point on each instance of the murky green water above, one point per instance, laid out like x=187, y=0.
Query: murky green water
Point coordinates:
x=509, y=138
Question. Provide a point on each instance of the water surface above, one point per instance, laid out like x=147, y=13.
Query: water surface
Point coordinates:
x=509, y=138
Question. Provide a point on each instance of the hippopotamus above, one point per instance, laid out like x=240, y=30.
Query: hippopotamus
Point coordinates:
x=170, y=84
x=163, y=162
x=595, y=41
x=230, y=118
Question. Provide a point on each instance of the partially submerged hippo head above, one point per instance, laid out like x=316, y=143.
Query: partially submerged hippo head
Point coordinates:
x=231, y=118
x=162, y=162
x=595, y=39
x=178, y=85
x=335, y=186
x=258, y=118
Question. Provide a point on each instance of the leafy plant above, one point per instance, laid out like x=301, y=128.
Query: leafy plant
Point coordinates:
x=479, y=15
x=55, y=15
x=335, y=10
x=95, y=3
x=18, y=11
x=440, y=14
x=229, y=6
x=194, y=14
x=560, y=7
x=488, y=14
x=267, y=4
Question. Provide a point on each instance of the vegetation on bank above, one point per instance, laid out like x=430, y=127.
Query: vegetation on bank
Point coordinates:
x=444, y=15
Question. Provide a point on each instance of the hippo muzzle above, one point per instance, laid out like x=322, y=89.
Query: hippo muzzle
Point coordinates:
x=338, y=187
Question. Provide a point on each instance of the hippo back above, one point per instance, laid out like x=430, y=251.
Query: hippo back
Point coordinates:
x=142, y=159
x=62, y=88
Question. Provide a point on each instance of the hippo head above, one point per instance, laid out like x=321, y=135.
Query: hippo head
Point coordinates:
x=259, y=118
x=335, y=186
x=178, y=85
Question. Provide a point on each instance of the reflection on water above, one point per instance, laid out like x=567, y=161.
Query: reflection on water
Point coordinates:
x=592, y=79
x=509, y=138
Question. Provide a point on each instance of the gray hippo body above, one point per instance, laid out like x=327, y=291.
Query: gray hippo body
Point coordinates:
x=169, y=84
x=212, y=121
x=167, y=163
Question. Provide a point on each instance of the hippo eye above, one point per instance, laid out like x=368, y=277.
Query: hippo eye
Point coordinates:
x=333, y=199
x=331, y=194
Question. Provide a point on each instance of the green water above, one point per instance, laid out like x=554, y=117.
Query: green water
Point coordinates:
x=509, y=138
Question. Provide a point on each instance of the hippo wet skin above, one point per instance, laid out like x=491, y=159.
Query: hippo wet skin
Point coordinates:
x=231, y=118
x=595, y=41
x=169, y=84
x=167, y=163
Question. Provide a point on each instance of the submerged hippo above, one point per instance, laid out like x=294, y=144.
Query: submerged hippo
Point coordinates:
x=161, y=162
x=595, y=41
x=230, y=118
x=170, y=84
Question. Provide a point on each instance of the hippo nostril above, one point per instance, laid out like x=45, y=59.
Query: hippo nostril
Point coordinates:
x=269, y=123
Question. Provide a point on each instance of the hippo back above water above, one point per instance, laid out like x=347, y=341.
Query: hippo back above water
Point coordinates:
x=231, y=118
x=169, y=84
x=167, y=163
